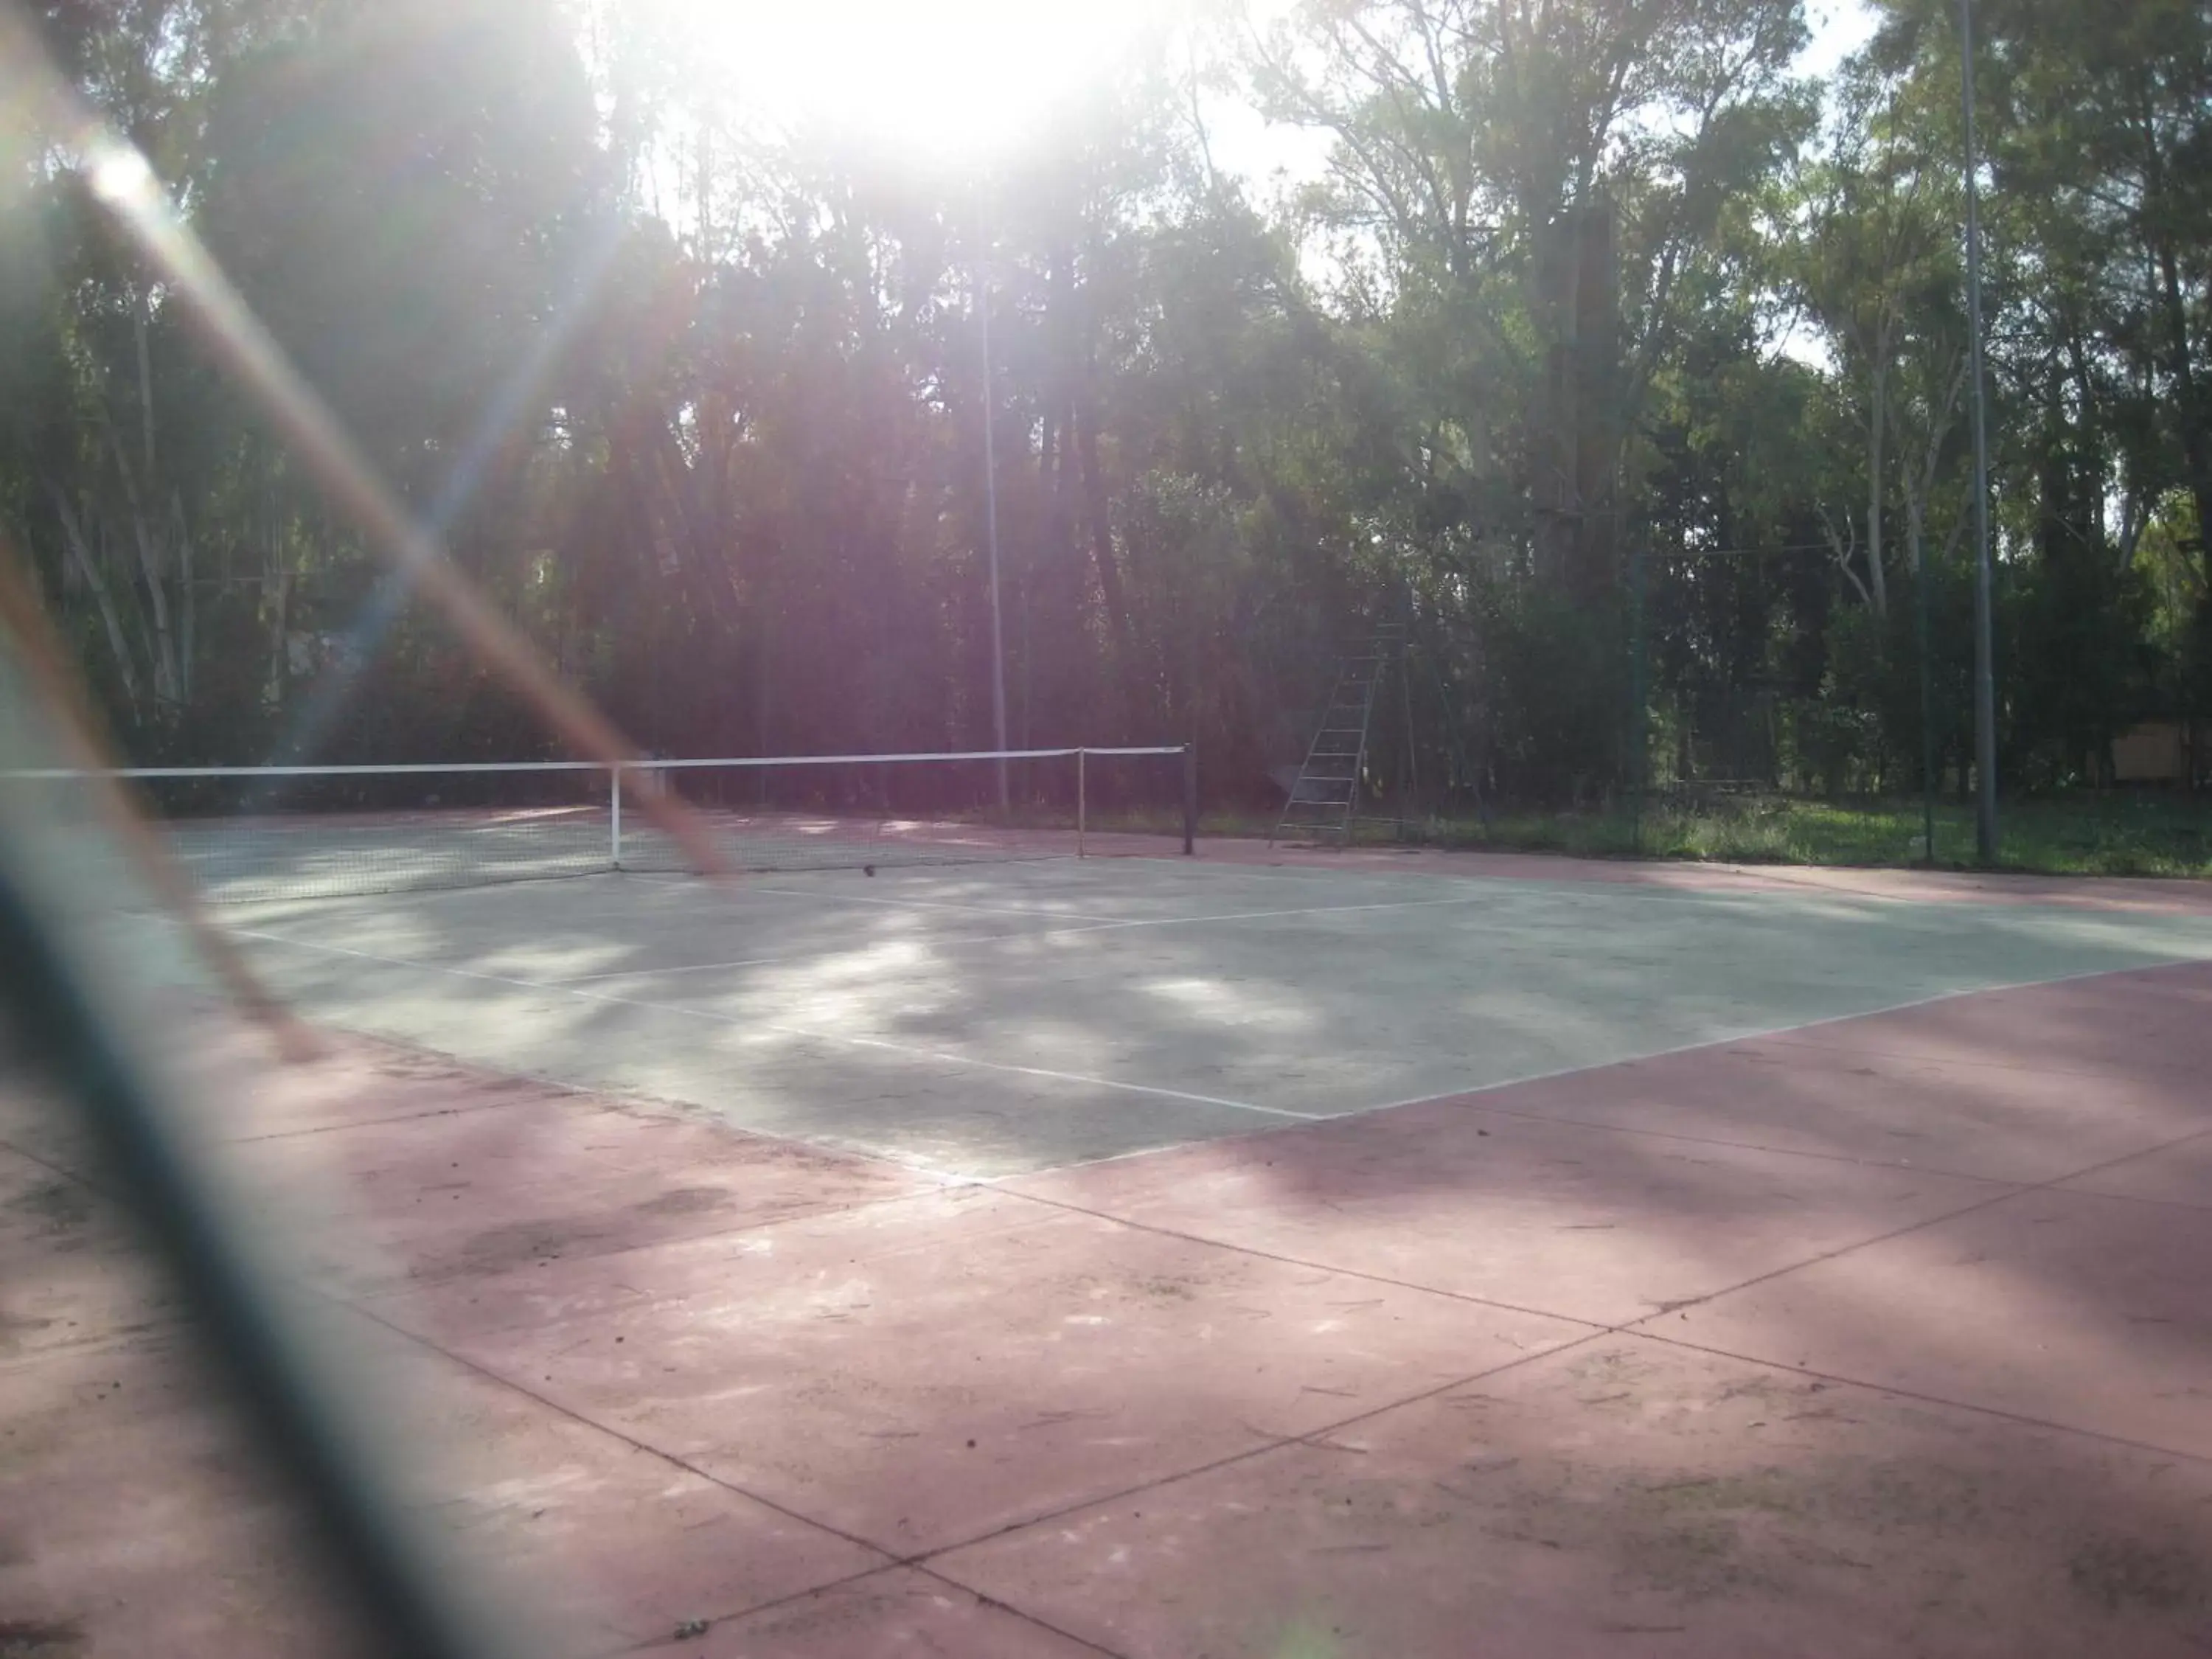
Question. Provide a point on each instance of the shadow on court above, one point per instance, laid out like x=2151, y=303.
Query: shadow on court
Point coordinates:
x=1002, y=1020
x=1879, y=1334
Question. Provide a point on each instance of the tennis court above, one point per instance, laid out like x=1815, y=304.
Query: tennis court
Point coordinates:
x=995, y=1018
x=1278, y=1255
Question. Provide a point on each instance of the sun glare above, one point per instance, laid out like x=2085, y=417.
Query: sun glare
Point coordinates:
x=121, y=176
x=951, y=80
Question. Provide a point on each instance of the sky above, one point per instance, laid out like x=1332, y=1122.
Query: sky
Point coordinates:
x=955, y=80
x=946, y=80
x=1245, y=143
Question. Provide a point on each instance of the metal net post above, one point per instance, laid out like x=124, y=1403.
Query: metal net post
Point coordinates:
x=614, y=831
x=1189, y=800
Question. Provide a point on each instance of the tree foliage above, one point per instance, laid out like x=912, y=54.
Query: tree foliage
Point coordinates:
x=1615, y=355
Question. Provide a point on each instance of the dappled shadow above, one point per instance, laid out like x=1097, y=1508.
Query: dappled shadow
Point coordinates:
x=2173, y=896
x=995, y=1021
x=1672, y=1276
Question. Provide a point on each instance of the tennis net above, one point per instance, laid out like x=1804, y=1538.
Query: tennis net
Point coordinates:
x=245, y=833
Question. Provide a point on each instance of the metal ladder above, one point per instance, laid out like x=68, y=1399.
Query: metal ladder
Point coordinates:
x=1327, y=788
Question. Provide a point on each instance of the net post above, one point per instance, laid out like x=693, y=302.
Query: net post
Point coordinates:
x=1189, y=800
x=614, y=801
x=1081, y=800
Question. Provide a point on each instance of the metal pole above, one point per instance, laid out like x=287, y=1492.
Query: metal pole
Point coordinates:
x=1081, y=800
x=614, y=796
x=991, y=541
x=1189, y=800
x=1409, y=805
x=1921, y=583
x=1985, y=697
x=1639, y=695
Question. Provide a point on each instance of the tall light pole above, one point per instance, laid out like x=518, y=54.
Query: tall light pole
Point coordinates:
x=991, y=542
x=1985, y=696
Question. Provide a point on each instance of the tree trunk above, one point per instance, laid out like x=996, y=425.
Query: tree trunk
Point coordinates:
x=1920, y=486
x=278, y=587
x=187, y=599
x=103, y=597
x=1110, y=591
x=659, y=480
x=2196, y=438
x=1057, y=587
x=1877, y=420
x=162, y=645
x=1842, y=543
x=275, y=592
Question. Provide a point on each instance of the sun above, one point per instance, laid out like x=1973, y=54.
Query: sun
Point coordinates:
x=952, y=81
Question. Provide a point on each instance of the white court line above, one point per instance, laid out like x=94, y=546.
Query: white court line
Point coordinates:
x=1769, y=1033
x=1491, y=888
x=907, y=1050
x=1045, y=932
x=901, y=904
x=745, y=885
x=705, y=967
x=1597, y=894
x=1286, y=1117
x=1764, y=1034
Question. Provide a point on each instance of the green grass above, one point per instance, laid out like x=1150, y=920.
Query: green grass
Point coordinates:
x=2114, y=835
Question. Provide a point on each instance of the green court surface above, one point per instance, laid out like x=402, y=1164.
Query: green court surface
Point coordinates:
x=1759, y=1262
x=996, y=1019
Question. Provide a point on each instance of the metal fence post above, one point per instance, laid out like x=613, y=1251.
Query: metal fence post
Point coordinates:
x=1189, y=800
